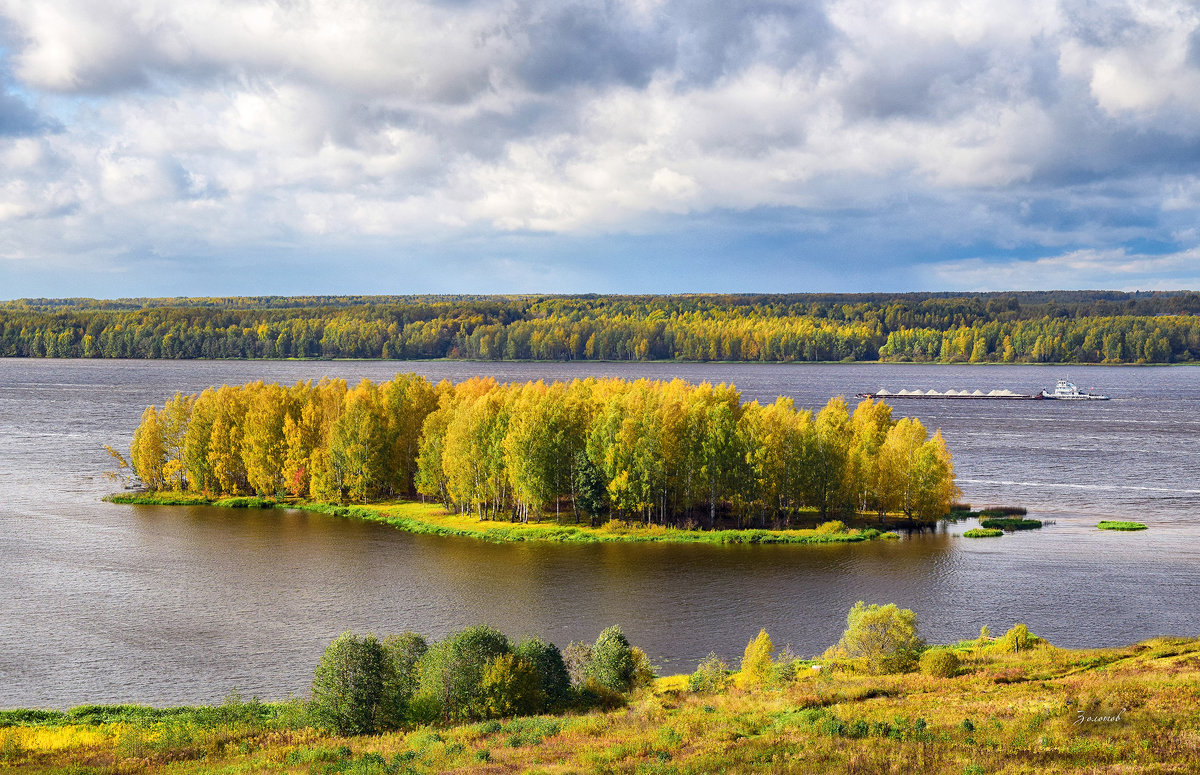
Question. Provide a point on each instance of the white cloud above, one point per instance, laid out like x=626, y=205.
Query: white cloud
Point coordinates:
x=225, y=122
x=1115, y=269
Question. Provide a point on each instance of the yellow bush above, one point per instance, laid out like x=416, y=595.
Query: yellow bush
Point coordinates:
x=756, y=661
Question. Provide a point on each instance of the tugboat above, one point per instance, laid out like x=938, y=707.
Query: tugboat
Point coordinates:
x=1067, y=391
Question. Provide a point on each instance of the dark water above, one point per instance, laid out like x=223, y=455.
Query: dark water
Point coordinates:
x=107, y=603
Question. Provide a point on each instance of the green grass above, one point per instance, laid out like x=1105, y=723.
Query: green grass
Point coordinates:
x=430, y=519
x=1109, y=524
x=983, y=532
x=1010, y=523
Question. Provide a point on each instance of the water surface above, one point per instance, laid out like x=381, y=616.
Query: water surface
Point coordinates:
x=170, y=605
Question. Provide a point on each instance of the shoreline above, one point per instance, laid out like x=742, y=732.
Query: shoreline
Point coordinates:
x=432, y=519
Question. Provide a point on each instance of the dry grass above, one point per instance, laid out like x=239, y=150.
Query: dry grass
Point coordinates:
x=1135, y=709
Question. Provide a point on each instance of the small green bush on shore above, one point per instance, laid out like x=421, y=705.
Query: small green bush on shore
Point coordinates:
x=1116, y=525
x=940, y=663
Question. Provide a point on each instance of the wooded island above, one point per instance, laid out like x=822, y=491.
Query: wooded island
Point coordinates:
x=664, y=453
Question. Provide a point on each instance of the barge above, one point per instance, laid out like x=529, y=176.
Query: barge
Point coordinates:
x=1063, y=391
x=1002, y=395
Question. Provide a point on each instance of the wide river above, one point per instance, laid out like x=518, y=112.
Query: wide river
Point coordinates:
x=162, y=605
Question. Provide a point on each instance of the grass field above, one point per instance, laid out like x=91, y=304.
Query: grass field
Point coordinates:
x=428, y=518
x=1125, y=710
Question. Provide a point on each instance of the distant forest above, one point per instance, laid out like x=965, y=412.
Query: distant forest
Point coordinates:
x=1023, y=327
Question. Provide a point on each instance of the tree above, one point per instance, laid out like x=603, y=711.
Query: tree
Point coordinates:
x=884, y=637
x=711, y=675
x=403, y=653
x=347, y=689
x=148, y=451
x=548, y=663
x=451, y=672
x=510, y=687
x=756, y=661
x=611, y=664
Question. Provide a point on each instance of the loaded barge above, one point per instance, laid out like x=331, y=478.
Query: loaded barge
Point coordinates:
x=993, y=394
x=1063, y=391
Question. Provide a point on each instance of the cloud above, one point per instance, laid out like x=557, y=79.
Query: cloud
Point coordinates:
x=1115, y=269
x=949, y=128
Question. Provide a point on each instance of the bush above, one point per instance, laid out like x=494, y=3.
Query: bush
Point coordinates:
x=756, y=661
x=711, y=676
x=1017, y=639
x=551, y=670
x=884, y=637
x=510, y=687
x=643, y=671
x=576, y=659
x=831, y=528
x=940, y=663
x=611, y=664
x=347, y=688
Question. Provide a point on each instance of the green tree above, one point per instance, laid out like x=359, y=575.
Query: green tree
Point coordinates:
x=884, y=637
x=510, y=687
x=451, y=672
x=547, y=662
x=611, y=664
x=402, y=653
x=347, y=689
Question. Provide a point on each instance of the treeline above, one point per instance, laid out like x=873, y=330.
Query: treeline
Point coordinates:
x=1086, y=327
x=662, y=452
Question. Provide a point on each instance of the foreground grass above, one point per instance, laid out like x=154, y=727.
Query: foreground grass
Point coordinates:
x=1132, y=709
x=432, y=519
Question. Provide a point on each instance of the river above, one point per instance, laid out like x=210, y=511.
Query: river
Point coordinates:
x=172, y=605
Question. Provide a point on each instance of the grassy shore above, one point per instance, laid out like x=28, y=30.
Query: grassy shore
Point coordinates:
x=1131, y=709
x=432, y=519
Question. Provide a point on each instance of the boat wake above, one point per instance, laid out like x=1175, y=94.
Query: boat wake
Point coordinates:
x=1067, y=485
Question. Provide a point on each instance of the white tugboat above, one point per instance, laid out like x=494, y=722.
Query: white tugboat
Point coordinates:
x=1067, y=391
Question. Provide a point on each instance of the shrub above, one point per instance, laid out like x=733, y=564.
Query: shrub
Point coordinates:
x=611, y=664
x=756, y=661
x=551, y=670
x=831, y=528
x=711, y=675
x=940, y=663
x=577, y=657
x=884, y=637
x=643, y=671
x=1017, y=639
x=510, y=687
x=347, y=688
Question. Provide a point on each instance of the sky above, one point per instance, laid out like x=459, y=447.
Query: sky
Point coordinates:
x=241, y=147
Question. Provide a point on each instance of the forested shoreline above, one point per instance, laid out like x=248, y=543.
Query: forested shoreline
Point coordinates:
x=1047, y=327
x=665, y=453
